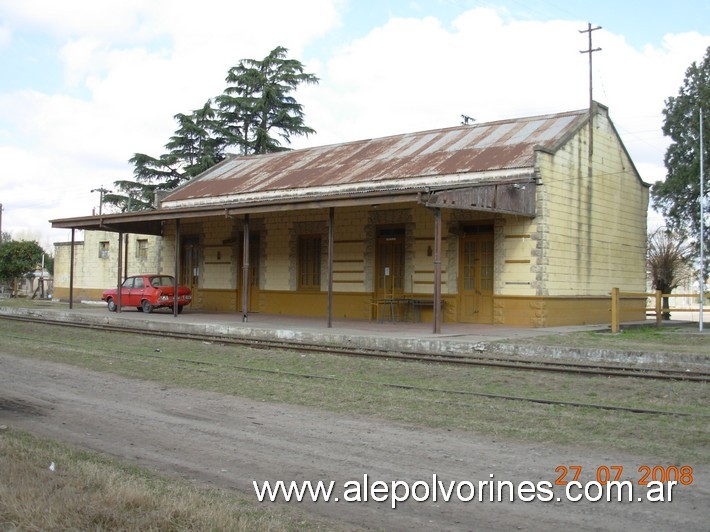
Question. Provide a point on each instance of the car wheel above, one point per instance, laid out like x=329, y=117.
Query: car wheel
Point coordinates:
x=179, y=309
x=146, y=306
x=112, y=307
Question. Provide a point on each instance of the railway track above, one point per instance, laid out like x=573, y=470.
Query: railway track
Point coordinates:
x=481, y=360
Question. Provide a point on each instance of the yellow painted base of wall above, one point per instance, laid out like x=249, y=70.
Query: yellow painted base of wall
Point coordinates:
x=562, y=311
x=80, y=294
x=349, y=305
x=217, y=300
x=507, y=310
x=353, y=305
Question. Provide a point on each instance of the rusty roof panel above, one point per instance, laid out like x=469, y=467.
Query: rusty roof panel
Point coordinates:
x=494, y=136
x=555, y=129
x=502, y=145
x=524, y=132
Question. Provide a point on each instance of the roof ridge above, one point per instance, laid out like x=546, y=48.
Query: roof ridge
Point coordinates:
x=461, y=127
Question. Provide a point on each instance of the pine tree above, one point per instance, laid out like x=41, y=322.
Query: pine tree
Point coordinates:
x=257, y=105
x=195, y=146
x=255, y=109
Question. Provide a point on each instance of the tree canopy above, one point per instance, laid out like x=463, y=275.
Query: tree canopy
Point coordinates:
x=255, y=114
x=677, y=198
x=257, y=103
x=18, y=258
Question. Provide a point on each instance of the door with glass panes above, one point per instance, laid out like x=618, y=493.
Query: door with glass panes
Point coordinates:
x=476, y=275
x=390, y=262
x=190, y=265
x=254, y=292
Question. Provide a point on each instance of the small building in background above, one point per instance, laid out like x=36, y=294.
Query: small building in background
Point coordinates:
x=96, y=262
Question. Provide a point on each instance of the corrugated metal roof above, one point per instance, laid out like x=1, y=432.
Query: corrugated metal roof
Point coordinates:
x=486, y=147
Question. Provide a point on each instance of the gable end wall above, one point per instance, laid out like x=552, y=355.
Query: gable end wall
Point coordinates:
x=591, y=228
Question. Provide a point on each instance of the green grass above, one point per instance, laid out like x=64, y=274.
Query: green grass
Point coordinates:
x=88, y=491
x=667, y=339
x=373, y=388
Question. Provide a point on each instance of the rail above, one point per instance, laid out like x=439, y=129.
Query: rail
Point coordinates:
x=483, y=360
x=657, y=309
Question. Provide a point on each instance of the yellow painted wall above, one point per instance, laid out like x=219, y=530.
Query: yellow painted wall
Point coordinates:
x=515, y=257
x=560, y=311
x=591, y=234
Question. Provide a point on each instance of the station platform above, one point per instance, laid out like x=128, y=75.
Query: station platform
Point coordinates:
x=459, y=338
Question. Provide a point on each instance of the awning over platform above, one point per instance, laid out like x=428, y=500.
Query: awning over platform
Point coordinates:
x=505, y=198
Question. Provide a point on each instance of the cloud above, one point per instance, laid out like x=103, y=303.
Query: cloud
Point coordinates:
x=128, y=66
x=417, y=74
x=5, y=37
x=413, y=74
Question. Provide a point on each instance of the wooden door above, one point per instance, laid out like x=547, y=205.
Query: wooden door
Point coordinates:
x=254, y=292
x=190, y=265
x=389, y=263
x=476, y=278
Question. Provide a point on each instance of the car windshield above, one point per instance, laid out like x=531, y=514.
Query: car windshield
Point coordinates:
x=162, y=280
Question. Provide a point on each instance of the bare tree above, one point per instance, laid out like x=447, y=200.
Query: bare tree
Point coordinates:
x=668, y=257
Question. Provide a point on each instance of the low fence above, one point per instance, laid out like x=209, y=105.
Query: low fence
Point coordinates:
x=656, y=309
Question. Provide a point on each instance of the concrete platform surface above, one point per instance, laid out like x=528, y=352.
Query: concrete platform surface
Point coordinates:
x=455, y=338
x=395, y=335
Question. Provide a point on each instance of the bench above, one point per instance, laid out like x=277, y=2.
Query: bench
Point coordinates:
x=389, y=308
x=417, y=304
x=389, y=303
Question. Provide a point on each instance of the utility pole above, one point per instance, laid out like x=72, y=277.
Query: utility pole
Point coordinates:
x=590, y=51
x=103, y=191
x=0, y=223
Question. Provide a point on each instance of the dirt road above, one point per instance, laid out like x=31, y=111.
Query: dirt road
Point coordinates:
x=230, y=442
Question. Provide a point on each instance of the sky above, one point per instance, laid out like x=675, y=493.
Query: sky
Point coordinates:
x=85, y=84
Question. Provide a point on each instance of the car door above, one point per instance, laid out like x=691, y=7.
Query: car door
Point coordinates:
x=137, y=292
x=126, y=288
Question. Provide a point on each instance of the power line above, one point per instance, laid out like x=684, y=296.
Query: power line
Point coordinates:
x=103, y=191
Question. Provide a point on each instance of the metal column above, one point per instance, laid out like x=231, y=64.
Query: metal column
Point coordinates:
x=71, y=272
x=437, y=271
x=245, y=271
x=331, y=231
x=120, y=271
x=177, y=268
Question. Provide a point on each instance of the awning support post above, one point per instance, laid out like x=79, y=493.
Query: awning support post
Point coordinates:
x=120, y=271
x=437, y=271
x=177, y=268
x=71, y=271
x=331, y=231
x=245, y=272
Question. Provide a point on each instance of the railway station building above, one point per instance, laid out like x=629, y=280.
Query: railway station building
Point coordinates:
x=528, y=221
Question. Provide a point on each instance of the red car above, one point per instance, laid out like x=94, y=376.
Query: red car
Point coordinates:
x=147, y=292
